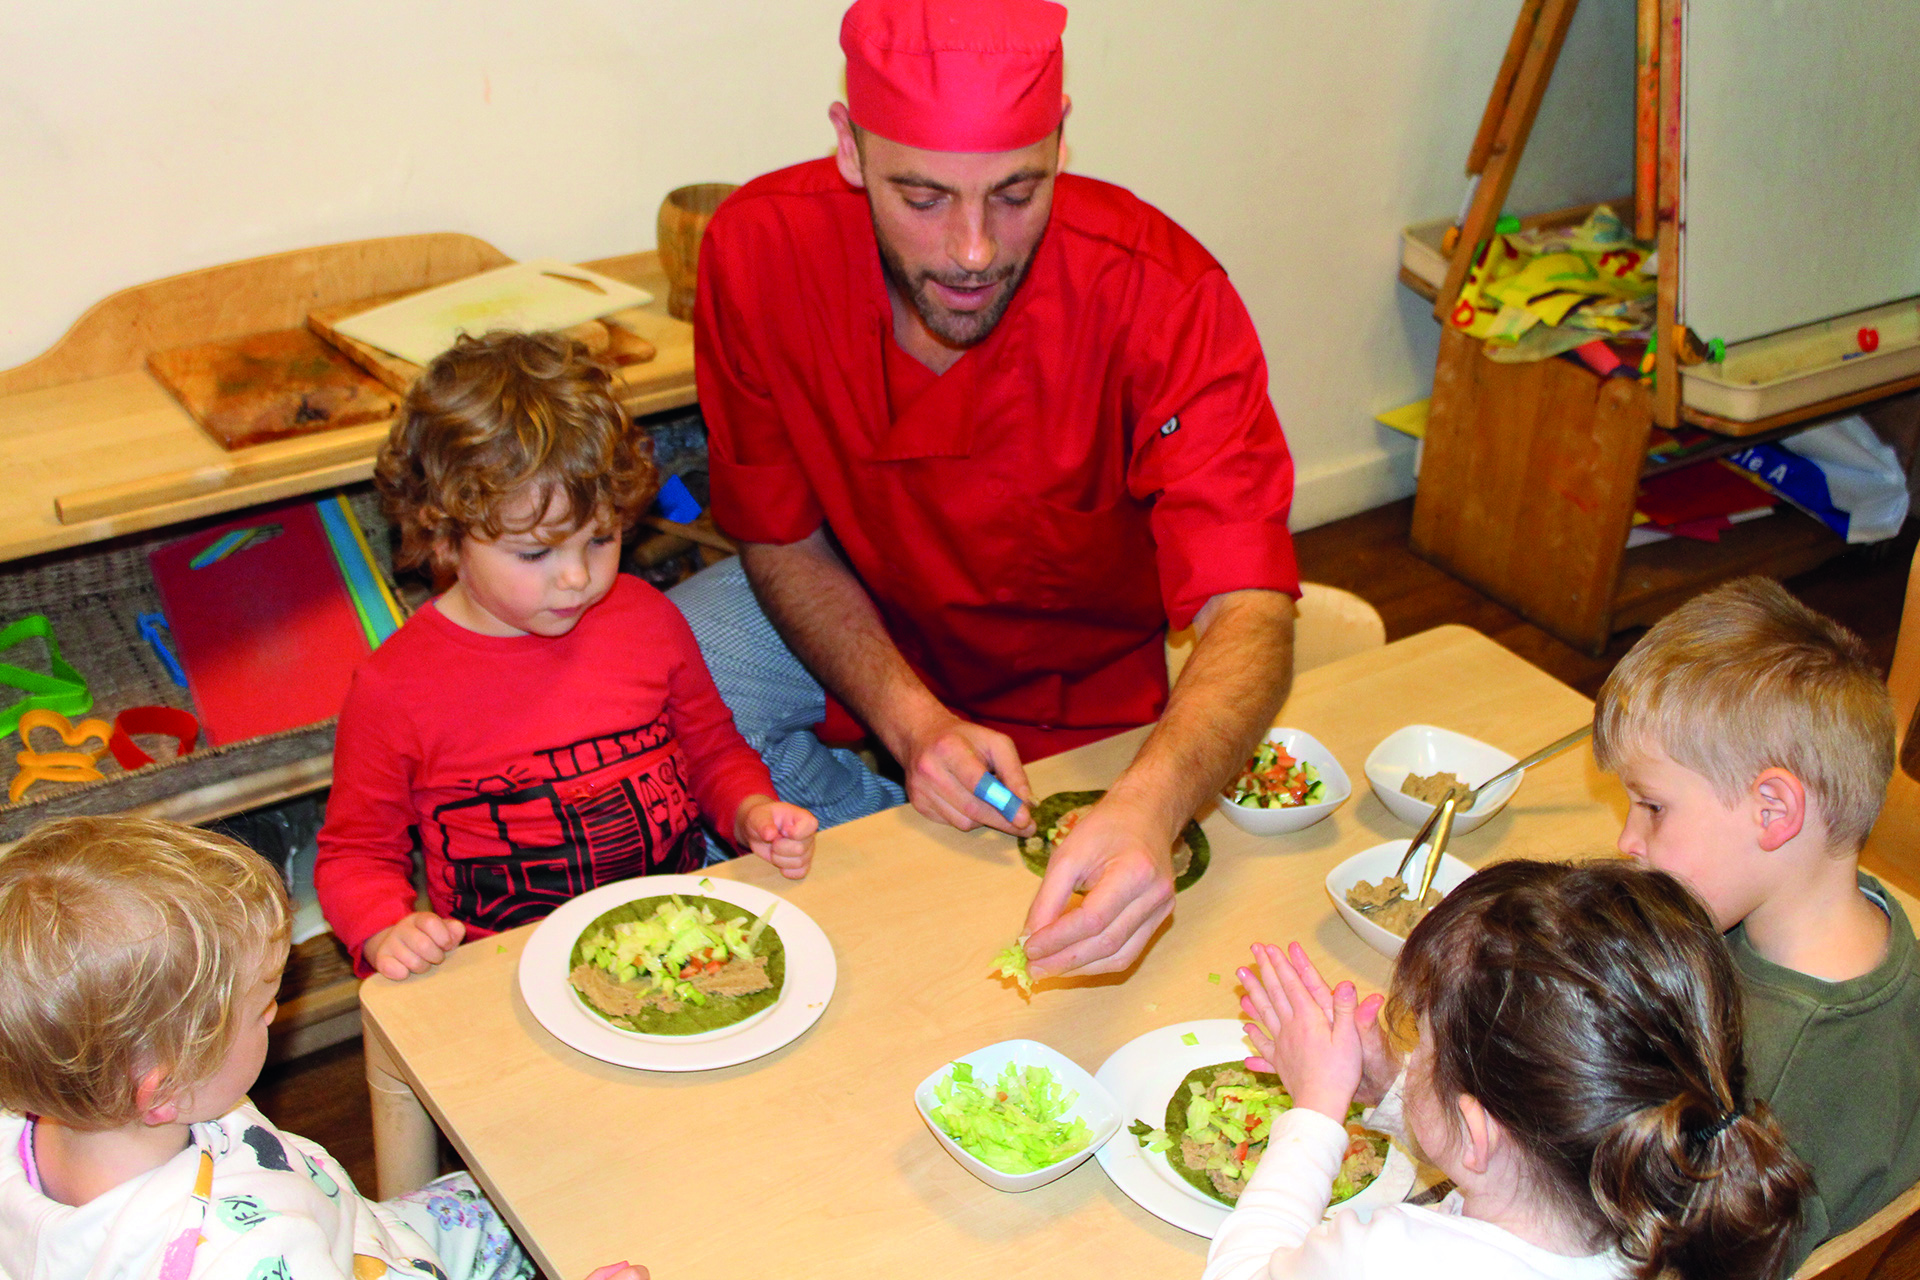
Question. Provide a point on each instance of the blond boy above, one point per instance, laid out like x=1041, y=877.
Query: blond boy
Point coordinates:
x=1755, y=740
x=139, y=964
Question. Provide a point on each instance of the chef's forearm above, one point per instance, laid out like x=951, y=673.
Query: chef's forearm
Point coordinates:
x=1226, y=698
x=829, y=621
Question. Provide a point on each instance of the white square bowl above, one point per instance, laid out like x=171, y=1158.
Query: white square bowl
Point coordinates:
x=1302, y=746
x=1371, y=864
x=1426, y=750
x=1092, y=1104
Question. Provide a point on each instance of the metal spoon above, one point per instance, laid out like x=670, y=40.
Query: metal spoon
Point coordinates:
x=1434, y=833
x=1547, y=752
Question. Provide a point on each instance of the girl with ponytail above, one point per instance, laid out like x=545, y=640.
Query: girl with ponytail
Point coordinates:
x=1575, y=1071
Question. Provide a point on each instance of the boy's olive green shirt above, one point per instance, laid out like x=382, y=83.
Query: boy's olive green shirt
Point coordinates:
x=1839, y=1062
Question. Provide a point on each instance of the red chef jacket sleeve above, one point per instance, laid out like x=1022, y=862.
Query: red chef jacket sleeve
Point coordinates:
x=1209, y=452
x=760, y=493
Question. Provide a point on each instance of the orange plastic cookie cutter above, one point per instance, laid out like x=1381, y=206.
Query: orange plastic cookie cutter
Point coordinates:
x=170, y=721
x=57, y=766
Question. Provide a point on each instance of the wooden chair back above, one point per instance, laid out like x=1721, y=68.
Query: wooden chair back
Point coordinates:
x=1331, y=624
x=1893, y=849
x=1884, y=1247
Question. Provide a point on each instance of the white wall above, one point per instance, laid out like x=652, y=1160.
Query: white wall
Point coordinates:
x=1293, y=137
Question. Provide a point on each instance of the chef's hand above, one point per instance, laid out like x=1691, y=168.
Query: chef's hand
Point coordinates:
x=413, y=944
x=1125, y=866
x=946, y=758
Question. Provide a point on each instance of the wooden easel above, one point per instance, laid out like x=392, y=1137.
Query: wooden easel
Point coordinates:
x=1531, y=471
x=1512, y=107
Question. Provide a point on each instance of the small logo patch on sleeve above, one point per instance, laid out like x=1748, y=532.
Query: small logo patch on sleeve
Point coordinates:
x=1170, y=426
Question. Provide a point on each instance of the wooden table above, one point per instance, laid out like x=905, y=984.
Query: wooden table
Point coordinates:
x=813, y=1158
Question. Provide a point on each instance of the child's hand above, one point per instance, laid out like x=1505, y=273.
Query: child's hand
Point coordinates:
x=779, y=832
x=413, y=945
x=619, y=1271
x=1378, y=1063
x=1316, y=1052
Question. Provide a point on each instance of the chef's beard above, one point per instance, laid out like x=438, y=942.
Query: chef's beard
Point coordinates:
x=955, y=328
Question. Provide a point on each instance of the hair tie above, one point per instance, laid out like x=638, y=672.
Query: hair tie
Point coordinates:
x=1716, y=1128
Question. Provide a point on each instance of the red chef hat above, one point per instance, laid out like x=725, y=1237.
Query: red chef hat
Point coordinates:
x=955, y=75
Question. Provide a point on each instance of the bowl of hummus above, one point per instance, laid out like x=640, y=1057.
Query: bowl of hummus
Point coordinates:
x=1375, y=906
x=1421, y=761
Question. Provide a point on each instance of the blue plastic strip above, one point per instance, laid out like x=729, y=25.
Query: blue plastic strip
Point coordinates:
x=368, y=598
x=155, y=631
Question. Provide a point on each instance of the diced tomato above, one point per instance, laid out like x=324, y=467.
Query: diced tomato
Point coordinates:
x=1001, y=1096
x=1240, y=1152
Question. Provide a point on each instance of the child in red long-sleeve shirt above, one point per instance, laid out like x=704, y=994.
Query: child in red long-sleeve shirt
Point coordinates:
x=546, y=725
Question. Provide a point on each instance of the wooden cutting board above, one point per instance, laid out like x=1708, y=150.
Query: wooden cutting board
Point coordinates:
x=270, y=386
x=609, y=339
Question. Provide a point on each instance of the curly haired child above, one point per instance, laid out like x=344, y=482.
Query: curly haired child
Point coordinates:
x=546, y=725
x=139, y=963
x=1576, y=1073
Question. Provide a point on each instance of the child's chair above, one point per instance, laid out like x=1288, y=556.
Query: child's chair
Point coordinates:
x=1893, y=849
x=1884, y=1247
x=1331, y=624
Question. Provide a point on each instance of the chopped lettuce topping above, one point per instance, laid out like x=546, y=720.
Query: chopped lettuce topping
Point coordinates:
x=1190, y=1039
x=1020, y=1125
x=1012, y=963
x=1227, y=1134
x=1273, y=779
x=1151, y=1138
x=676, y=943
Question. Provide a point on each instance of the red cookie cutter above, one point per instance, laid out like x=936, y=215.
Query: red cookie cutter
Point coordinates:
x=171, y=721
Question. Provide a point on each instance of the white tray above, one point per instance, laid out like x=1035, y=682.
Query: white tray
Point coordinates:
x=1785, y=371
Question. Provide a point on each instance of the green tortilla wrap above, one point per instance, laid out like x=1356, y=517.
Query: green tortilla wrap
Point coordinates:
x=719, y=1011
x=1035, y=850
x=1176, y=1128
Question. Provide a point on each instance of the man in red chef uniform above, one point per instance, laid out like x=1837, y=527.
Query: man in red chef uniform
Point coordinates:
x=985, y=431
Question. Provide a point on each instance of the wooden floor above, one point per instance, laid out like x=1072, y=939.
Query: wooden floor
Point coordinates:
x=324, y=1095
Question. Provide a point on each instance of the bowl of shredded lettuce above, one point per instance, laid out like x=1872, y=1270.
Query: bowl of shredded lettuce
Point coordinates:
x=1017, y=1115
x=1289, y=783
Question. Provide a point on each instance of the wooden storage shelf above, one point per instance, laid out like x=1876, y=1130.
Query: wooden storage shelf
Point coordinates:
x=1659, y=577
x=88, y=432
x=1528, y=482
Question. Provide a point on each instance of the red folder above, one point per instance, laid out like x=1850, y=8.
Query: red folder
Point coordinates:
x=267, y=634
x=1699, y=492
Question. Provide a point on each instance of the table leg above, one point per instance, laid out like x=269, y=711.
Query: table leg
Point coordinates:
x=406, y=1153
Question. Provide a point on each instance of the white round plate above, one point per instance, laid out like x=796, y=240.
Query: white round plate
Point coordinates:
x=811, y=974
x=1142, y=1075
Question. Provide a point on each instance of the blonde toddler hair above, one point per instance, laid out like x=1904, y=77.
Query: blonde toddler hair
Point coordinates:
x=1746, y=678
x=125, y=945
